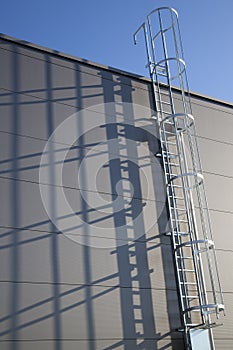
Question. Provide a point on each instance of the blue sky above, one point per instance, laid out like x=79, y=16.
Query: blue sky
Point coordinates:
x=102, y=31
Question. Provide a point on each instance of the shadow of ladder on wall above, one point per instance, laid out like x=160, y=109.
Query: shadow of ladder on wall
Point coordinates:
x=131, y=252
x=195, y=263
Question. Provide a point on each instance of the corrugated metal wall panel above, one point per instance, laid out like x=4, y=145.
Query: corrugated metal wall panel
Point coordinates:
x=58, y=293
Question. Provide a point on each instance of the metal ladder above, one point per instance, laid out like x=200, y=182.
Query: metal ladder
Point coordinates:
x=198, y=284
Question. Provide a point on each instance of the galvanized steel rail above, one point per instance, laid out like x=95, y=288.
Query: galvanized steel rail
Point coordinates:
x=195, y=262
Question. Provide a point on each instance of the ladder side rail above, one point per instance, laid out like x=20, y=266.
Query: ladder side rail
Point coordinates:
x=151, y=58
x=205, y=215
x=180, y=54
x=167, y=68
x=164, y=152
x=195, y=270
x=179, y=254
x=168, y=72
x=168, y=77
x=208, y=253
x=187, y=204
x=200, y=280
x=170, y=194
x=189, y=220
x=166, y=160
x=151, y=45
x=166, y=64
x=170, y=191
x=203, y=287
x=153, y=71
x=149, y=62
x=167, y=147
x=202, y=214
x=190, y=230
x=194, y=165
x=169, y=83
x=200, y=270
x=208, y=217
x=175, y=244
x=165, y=156
x=193, y=233
x=153, y=74
x=191, y=148
x=186, y=83
x=158, y=99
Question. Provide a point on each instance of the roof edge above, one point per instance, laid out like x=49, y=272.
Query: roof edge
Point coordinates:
x=57, y=53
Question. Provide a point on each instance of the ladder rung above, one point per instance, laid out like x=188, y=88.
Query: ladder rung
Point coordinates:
x=170, y=174
x=179, y=209
x=168, y=142
x=165, y=102
x=170, y=153
x=164, y=112
x=163, y=93
x=184, y=221
x=160, y=110
x=184, y=245
x=179, y=198
x=158, y=90
x=190, y=296
x=187, y=283
x=193, y=325
x=161, y=73
x=181, y=234
x=168, y=132
x=172, y=185
x=172, y=164
x=186, y=270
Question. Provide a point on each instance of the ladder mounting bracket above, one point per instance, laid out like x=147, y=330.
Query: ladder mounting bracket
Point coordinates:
x=167, y=234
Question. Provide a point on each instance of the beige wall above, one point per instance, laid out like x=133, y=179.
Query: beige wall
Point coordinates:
x=58, y=293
